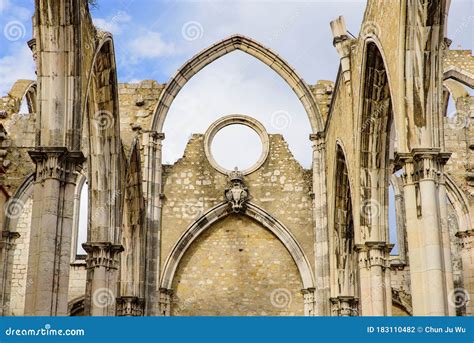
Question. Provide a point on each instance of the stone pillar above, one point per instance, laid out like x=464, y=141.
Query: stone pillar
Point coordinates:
x=152, y=192
x=465, y=297
x=6, y=244
x=374, y=279
x=130, y=306
x=321, y=244
x=50, y=242
x=380, y=285
x=101, y=288
x=428, y=261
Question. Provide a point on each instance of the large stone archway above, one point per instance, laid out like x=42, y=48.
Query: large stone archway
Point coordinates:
x=243, y=266
x=264, y=220
x=251, y=47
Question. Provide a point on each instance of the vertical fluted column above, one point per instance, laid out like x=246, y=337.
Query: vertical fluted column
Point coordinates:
x=379, y=277
x=429, y=262
x=321, y=244
x=50, y=238
x=101, y=288
x=152, y=191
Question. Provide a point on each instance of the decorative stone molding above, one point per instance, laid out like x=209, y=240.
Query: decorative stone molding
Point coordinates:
x=345, y=306
x=342, y=43
x=423, y=164
x=237, y=195
x=166, y=296
x=466, y=239
x=251, y=47
x=309, y=301
x=130, y=306
x=102, y=254
x=56, y=163
x=237, y=119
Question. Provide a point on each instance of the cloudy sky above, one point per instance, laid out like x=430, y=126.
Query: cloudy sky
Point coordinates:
x=154, y=38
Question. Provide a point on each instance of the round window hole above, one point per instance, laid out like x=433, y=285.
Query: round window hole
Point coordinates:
x=236, y=145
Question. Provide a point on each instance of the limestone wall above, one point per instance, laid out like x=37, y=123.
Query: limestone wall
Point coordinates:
x=281, y=187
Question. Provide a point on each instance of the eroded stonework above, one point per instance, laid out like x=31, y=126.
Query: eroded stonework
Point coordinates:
x=193, y=239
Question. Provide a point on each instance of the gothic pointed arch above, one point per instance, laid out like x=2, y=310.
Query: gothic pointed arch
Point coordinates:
x=375, y=145
x=344, y=255
x=221, y=211
x=251, y=47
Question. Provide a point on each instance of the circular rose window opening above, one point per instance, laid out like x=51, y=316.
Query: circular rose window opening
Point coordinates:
x=236, y=141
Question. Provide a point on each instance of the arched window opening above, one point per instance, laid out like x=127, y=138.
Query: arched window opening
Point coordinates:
x=237, y=83
x=83, y=219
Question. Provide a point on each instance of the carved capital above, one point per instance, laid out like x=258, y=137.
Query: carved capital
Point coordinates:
x=56, y=163
x=423, y=164
x=345, y=306
x=130, y=306
x=102, y=254
x=165, y=301
x=467, y=239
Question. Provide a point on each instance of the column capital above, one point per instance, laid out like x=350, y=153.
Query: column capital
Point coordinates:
x=102, y=254
x=155, y=134
x=345, y=305
x=130, y=306
x=56, y=163
x=467, y=238
x=422, y=164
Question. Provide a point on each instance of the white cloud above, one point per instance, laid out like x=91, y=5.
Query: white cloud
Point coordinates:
x=114, y=24
x=18, y=65
x=148, y=45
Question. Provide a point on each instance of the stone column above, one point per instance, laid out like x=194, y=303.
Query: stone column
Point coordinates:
x=50, y=242
x=428, y=261
x=374, y=279
x=101, y=288
x=465, y=297
x=380, y=285
x=321, y=244
x=6, y=244
x=152, y=192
